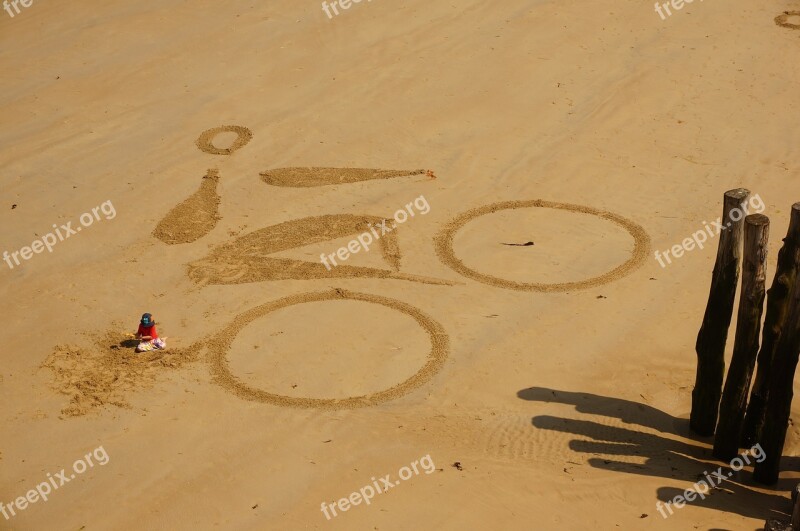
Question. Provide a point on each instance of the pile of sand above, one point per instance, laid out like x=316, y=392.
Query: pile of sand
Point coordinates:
x=105, y=373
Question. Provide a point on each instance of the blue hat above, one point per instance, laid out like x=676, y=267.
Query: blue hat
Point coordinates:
x=147, y=320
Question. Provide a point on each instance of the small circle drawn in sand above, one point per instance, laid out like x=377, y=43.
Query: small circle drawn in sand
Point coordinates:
x=783, y=19
x=221, y=344
x=204, y=141
x=444, y=246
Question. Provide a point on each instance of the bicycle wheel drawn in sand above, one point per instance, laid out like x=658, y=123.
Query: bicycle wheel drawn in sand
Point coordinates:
x=782, y=20
x=221, y=343
x=444, y=247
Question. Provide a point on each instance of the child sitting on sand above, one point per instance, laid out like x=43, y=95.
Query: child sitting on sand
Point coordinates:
x=148, y=335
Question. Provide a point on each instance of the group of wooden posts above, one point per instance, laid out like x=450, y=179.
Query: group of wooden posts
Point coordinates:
x=725, y=412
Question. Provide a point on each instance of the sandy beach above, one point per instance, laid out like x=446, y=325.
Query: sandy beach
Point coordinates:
x=505, y=352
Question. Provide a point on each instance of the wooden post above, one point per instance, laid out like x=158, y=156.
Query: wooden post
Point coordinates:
x=748, y=329
x=773, y=524
x=777, y=299
x=779, y=395
x=713, y=334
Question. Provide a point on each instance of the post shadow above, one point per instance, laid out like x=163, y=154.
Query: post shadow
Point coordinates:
x=627, y=411
x=659, y=456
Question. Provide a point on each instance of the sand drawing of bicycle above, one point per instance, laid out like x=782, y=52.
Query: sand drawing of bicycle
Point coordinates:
x=249, y=258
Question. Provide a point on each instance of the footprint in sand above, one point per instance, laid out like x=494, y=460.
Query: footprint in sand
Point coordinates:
x=783, y=20
x=193, y=218
x=311, y=177
x=246, y=259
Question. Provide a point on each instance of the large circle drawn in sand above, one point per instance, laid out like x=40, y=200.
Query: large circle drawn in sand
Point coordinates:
x=221, y=343
x=444, y=247
x=783, y=19
x=204, y=141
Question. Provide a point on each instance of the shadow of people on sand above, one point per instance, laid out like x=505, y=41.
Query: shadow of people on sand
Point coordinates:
x=658, y=455
x=127, y=343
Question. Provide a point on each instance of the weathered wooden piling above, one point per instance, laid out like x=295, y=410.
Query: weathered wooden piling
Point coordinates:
x=748, y=329
x=777, y=524
x=780, y=524
x=780, y=393
x=775, y=320
x=796, y=507
x=774, y=524
x=713, y=334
